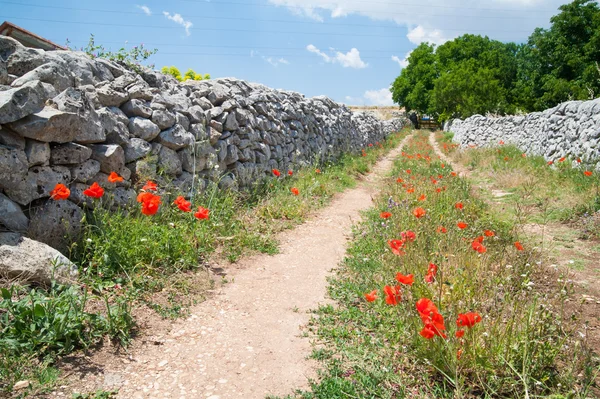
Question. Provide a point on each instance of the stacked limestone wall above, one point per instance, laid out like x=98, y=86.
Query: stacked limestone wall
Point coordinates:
x=67, y=118
x=571, y=129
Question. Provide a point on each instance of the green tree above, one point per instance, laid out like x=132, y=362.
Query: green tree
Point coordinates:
x=412, y=88
x=562, y=60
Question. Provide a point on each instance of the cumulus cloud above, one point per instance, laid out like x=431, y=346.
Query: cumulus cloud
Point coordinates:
x=351, y=59
x=379, y=97
x=178, y=19
x=145, y=9
x=420, y=34
x=439, y=20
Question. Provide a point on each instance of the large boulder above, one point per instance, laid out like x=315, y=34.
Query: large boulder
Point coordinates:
x=49, y=125
x=13, y=166
x=21, y=101
x=143, y=128
x=56, y=223
x=176, y=138
x=53, y=73
x=110, y=156
x=37, y=182
x=25, y=259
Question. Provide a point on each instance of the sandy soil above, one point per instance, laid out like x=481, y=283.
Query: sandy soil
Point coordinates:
x=246, y=341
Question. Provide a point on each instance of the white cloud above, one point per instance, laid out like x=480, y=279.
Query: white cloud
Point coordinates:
x=420, y=34
x=402, y=62
x=276, y=62
x=351, y=59
x=439, y=20
x=379, y=97
x=178, y=19
x=145, y=9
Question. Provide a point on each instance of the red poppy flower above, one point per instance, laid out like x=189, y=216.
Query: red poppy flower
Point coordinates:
x=478, y=246
x=550, y=162
x=578, y=160
x=185, y=206
x=290, y=173
x=364, y=154
x=408, y=235
x=114, y=178
x=392, y=295
x=489, y=233
x=426, y=306
x=370, y=145
x=408, y=171
x=423, y=197
x=385, y=215
x=442, y=229
x=406, y=280
x=396, y=246
x=438, y=190
x=60, y=192
x=562, y=159
x=419, y=212
x=443, y=166
x=460, y=333
x=276, y=173
x=524, y=155
x=410, y=190
x=461, y=225
x=506, y=158
x=427, y=333
x=150, y=203
x=453, y=173
x=94, y=191
x=459, y=205
x=294, y=191
x=518, y=246
x=587, y=173
x=318, y=171
x=372, y=296
x=431, y=273
x=202, y=213
x=468, y=319
x=150, y=186
x=399, y=180
x=501, y=142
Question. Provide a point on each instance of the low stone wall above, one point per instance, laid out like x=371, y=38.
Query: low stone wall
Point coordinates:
x=67, y=118
x=571, y=129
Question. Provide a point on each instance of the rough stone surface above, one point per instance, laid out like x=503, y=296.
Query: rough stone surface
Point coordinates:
x=11, y=215
x=70, y=154
x=14, y=166
x=21, y=101
x=169, y=162
x=37, y=183
x=176, y=138
x=143, y=128
x=110, y=156
x=25, y=259
x=163, y=119
x=37, y=152
x=49, y=125
x=136, y=149
x=84, y=172
x=571, y=129
x=56, y=223
x=78, y=102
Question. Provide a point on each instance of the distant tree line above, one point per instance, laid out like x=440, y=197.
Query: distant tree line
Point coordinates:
x=476, y=75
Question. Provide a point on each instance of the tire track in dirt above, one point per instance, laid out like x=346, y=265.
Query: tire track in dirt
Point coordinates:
x=246, y=342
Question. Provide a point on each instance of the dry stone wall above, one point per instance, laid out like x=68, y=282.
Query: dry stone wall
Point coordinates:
x=67, y=118
x=571, y=129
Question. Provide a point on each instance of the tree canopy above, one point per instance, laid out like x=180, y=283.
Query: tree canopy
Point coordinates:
x=475, y=75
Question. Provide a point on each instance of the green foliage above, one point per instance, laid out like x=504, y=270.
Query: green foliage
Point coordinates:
x=189, y=75
x=133, y=57
x=475, y=75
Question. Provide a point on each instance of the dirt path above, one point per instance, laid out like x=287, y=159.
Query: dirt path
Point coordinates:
x=246, y=341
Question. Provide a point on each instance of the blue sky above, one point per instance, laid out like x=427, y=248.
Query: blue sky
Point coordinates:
x=349, y=50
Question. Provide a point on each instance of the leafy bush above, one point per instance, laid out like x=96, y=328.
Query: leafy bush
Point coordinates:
x=133, y=57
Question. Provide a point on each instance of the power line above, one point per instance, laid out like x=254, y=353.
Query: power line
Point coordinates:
x=248, y=30
x=260, y=20
x=368, y=3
